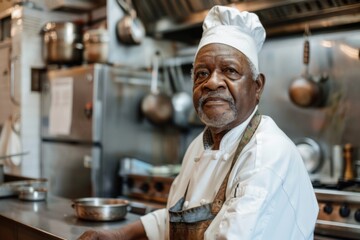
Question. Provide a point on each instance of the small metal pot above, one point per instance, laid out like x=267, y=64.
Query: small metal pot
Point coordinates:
x=29, y=193
x=100, y=209
x=62, y=43
x=96, y=45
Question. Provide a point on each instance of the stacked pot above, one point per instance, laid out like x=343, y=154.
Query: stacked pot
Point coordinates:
x=63, y=43
x=96, y=45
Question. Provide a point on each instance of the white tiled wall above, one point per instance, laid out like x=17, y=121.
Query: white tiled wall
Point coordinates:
x=5, y=103
x=27, y=49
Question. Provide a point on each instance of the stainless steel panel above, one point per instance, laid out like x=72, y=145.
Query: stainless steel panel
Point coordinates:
x=6, y=106
x=331, y=54
x=117, y=124
x=78, y=5
x=134, y=56
x=83, y=94
x=63, y=166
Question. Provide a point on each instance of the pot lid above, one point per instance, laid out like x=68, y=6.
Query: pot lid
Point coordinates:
x=311, y=154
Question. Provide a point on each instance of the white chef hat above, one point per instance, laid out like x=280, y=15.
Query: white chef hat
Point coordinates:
x=241, y=30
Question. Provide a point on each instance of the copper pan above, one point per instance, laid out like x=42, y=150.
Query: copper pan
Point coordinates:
x=304, y=91
x=157, y=106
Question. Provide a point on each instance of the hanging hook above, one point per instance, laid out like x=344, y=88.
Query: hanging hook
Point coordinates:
x=307, y=31
x=127, y=7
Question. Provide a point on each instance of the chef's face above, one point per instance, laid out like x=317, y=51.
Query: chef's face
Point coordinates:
x=224, y=91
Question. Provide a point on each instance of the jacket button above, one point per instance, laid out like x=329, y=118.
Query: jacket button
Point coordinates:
x=226, y=156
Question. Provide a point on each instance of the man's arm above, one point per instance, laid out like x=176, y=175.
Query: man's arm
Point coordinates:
x=131, y=231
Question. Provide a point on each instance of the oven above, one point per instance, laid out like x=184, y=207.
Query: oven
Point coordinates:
x=339, y=212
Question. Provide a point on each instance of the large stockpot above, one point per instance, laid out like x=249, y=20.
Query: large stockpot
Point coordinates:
x=96, y=45
x=100, y=209
x=62, y=43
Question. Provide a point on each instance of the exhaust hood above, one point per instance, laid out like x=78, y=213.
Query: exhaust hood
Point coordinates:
x=182, y=19
x=73, y=5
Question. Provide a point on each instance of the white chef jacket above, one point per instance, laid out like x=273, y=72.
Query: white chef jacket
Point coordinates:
x=269, y=194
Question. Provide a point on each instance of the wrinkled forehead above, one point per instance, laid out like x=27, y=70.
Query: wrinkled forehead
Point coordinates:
x=219, y=52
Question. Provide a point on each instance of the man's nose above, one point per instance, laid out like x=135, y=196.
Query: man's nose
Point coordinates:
x=215, y=81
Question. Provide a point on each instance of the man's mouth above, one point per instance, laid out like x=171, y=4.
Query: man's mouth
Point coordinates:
x=214, y=101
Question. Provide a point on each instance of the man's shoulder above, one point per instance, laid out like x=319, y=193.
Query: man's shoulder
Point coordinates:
x=268, y=127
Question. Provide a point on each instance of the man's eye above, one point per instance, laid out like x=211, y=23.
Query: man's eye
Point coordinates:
x=230, y=70
x=201, y=74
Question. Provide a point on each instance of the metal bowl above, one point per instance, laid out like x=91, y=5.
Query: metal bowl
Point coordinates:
x=100, y=209
x=29, y=193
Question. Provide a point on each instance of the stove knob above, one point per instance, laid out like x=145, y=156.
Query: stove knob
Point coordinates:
x=145, y=187
x=328, y=208
x=159, y=186
x=344, y=211
x=357, y=215
x=130, y=183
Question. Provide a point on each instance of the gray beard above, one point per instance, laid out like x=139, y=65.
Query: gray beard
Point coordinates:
x=221, y=120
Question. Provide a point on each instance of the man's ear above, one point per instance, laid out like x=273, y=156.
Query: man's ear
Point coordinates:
x=260, y=83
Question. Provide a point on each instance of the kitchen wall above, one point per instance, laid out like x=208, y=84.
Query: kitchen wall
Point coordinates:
x=26, y=54
x=335, y=55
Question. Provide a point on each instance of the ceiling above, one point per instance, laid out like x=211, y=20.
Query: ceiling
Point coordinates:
x=181, y=19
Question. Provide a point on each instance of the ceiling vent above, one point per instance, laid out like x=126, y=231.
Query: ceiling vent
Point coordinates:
x=181, y=20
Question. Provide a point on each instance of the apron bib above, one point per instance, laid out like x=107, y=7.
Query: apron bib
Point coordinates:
x=191, y=224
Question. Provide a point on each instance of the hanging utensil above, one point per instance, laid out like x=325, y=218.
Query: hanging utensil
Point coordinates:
x=181, y=100
x=14, y=155
x=304, y=91
x=130, y=29
x=156, y=106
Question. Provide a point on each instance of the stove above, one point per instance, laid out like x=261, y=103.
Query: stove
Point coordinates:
x=148, y=187
x=339, y=210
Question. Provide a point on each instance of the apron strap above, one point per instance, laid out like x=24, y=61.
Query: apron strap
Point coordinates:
x=248, y=133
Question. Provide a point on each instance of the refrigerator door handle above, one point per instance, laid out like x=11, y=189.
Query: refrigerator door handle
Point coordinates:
x=87, y=161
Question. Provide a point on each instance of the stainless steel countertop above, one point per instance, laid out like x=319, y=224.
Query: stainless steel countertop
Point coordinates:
x=55, y=216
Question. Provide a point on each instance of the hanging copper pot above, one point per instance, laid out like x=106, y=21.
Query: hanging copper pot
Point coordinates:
x=304, y=91
x=157, y=106
x=130, y=29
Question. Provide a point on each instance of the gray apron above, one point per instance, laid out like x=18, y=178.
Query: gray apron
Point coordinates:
x=191, y=224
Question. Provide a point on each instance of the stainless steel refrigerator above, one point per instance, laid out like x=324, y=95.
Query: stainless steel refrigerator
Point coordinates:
x=89, y=119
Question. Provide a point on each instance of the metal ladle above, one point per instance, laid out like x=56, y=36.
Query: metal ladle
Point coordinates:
x=181, y=100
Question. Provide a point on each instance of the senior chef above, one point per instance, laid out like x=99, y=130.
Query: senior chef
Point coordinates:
x=242, y=177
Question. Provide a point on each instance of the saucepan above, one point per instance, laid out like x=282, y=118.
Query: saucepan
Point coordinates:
x=100, y=209
x=130, y=29
x=304, y=91
x=157, y=106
